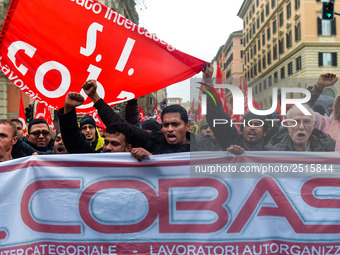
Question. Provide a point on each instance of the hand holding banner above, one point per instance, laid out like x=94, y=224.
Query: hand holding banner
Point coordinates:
x=48, y=57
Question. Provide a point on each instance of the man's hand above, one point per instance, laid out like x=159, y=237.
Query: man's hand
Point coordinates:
x=326, y=80
x=235, y=149
x=140, y=153
x=73, y=99
x=90, y=88
x=208, y=71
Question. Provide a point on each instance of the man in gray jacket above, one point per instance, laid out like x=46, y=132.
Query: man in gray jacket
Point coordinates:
x=301, y=134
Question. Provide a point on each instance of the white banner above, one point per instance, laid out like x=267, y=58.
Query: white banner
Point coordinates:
x=111, y=204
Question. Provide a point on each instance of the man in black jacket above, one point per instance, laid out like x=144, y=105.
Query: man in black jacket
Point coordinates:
x=174, y=135
x=117, y=137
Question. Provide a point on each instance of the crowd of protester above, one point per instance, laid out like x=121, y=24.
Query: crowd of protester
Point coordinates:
x=314, y=132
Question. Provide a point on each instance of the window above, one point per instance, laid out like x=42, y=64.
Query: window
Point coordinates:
x=328, y=59
x=267, y=9
x=254, y=28
x=289, y=39
x=297, y=4
x=326, y=27
x=269, y=57
x=274, y=26
x=251, y=53
x=260, y=87
x=259, y=65
x=275, y=51
x=257, y=3
x=250, y=14
x=273, y=4
x=282, y=72
x=298, y=63
x=254, y=48
x=241, y=53
x=262, y=15
x=270, y=81
x=250, y=34
x=268, y=33
x=247, y=20
x=289, y=12
x=259, y=44
x=253, y=8
x=256, y=90
x=255, y=69
x=264, y=84
x=281, y=18
x=281, y=46
x=290, y=68
x=297, y=32
x=264, y=62
x=263, y=39
x=258, y=22
x=275, y=77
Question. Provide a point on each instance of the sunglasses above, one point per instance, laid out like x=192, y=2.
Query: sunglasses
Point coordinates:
x=38, y=133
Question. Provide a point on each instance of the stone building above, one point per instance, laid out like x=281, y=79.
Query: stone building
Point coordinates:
x=286, y=43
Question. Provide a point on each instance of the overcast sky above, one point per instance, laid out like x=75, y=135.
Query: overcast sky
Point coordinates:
x=196, y=27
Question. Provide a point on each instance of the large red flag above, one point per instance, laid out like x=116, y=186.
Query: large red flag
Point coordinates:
x=22, y=116
x=49, y=48
x=42, y=112
x=158, y=117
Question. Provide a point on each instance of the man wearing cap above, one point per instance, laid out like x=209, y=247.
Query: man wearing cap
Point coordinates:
x=89, y=129
x=206, y=131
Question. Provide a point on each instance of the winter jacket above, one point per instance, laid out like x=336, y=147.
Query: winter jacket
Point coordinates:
x=153, y=142
x=319, y=141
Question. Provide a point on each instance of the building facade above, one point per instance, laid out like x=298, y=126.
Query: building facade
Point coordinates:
x=230, y=57
x=286, y=43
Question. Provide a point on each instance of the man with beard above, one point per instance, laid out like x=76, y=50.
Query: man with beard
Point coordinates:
x=59, y=147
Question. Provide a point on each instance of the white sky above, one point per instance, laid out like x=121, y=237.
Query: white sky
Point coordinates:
x=196, y=27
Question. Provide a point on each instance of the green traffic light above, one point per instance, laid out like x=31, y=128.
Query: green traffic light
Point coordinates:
x=329, y=15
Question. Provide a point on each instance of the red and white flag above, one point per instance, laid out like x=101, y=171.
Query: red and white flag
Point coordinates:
x=98, y=121
x=48, y=57
x=43, y=112
x=158, y=117
x=142, y=116
x=22, y=116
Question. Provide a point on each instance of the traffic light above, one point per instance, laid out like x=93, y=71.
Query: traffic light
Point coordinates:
x=328, y=10
x=29, y=113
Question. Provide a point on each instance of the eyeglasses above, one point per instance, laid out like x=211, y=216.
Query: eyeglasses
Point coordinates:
x=87, y=127
x=38, y=133
x=305, y=122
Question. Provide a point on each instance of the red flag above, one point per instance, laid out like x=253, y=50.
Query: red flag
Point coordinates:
x=198, y=115
x=221, y=93
x=191, y=108
x=142, y=116
x=42, y=112
x=158, y=117
x=98, y=121
x=22, y=116
x=48, y=57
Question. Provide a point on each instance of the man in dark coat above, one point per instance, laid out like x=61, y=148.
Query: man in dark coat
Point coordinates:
x=174, y=135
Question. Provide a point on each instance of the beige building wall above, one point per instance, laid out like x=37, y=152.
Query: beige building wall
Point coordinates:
x=299, y=61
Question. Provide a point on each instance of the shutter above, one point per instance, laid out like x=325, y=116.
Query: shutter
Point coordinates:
x=319, y=26
x=334, y=59
x=333, y=27
x=320, y=59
